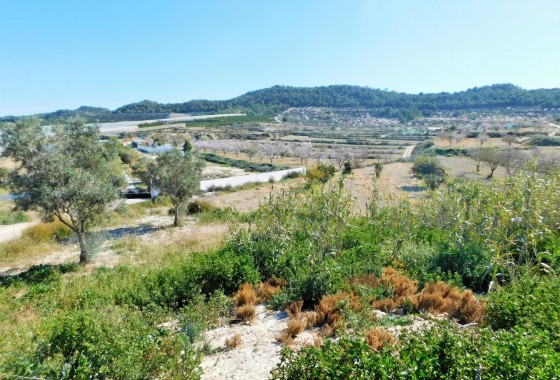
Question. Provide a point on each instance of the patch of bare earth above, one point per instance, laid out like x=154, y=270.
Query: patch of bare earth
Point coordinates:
x=152, y=230
x=250, y=199
x=258, y=352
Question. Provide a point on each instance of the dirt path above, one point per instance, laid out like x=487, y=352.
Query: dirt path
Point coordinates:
x=408, y=152
x=14, y=231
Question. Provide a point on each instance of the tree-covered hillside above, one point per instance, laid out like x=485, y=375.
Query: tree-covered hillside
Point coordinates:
x=382, y=103
x=386, y=103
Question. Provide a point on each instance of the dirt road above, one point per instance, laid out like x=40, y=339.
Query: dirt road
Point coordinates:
x=13, y=231
x=408, y=152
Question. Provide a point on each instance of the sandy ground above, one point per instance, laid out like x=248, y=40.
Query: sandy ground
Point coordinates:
x=14, y=231
x=258, y=353
x=150, y=230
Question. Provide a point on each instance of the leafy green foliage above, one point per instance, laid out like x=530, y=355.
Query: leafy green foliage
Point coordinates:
x=439, y=352
x=321, y=173
x=13, y=217
x=176, y=175
x=430, y=170
x=68, y=173
x=78, y=344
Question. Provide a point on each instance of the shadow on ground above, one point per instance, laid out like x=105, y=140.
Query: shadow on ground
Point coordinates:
x=412, y=189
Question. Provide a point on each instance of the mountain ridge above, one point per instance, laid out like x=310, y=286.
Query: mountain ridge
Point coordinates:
x=275, y=99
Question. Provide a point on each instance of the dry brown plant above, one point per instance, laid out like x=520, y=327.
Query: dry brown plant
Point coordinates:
x=378, y=338
x=246, y=312
x=317, y=341
x=440, y=297
x=402, y=286
x=387, y=305
x=245, y=295
x=233, y=342
x=296, y=326
x=311, y=318
x=328, y=309
x=269, y=288
x=294, y=309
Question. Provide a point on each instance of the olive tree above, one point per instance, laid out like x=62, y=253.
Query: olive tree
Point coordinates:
x=66, y=172
x=176, y=175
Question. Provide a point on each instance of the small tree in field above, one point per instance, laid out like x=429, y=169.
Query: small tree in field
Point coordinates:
x=68, y=173
x=429, y=170
x=176, y=175
x=490, y=156
x=378, y=167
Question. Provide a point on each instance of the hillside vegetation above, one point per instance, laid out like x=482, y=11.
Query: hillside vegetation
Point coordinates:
x=331, y=269
x=382, y=103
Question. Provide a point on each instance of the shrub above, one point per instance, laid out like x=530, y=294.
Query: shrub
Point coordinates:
x=233, y=342
x=438, y=352
x=246, y=313
x=245, y=295
x=321, y=173
x=108, y=343
x=530, y=303
x=429, y=170
x=198, y=206
x=378, y=338
x=13, y=217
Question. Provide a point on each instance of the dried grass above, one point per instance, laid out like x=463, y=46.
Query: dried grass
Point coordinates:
x=245, y=295
x=369, y=280
x=269, y=288
x=294, y=309
x=386, y=305
x=403, y=286
x=246, y=312
x=378, y=338
x=328, y=310
x=285, y=339
x=233, y=342
x=296, y=326
x=440, y=297
x=327, y=331
x=311, y=318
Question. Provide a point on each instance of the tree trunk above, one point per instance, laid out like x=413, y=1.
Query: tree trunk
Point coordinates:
x=176, y=217
x=84, y=254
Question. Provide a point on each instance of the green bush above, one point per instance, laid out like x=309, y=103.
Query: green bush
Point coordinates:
x=430, y=170
x=13, y=217
x=321, y=173
x=438, y=352
x=108, y=343
x=530, y=303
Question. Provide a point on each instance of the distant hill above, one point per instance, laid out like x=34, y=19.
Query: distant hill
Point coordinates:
x=275, y=99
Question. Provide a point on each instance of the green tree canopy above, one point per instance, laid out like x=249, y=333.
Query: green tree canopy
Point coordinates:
x=65, y=172
x=176, y=175
x=429, y=170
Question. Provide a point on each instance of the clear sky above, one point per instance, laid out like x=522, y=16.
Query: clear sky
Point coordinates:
x=67, y=53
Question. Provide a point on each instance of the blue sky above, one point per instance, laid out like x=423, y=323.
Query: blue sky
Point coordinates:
x=67, y=53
